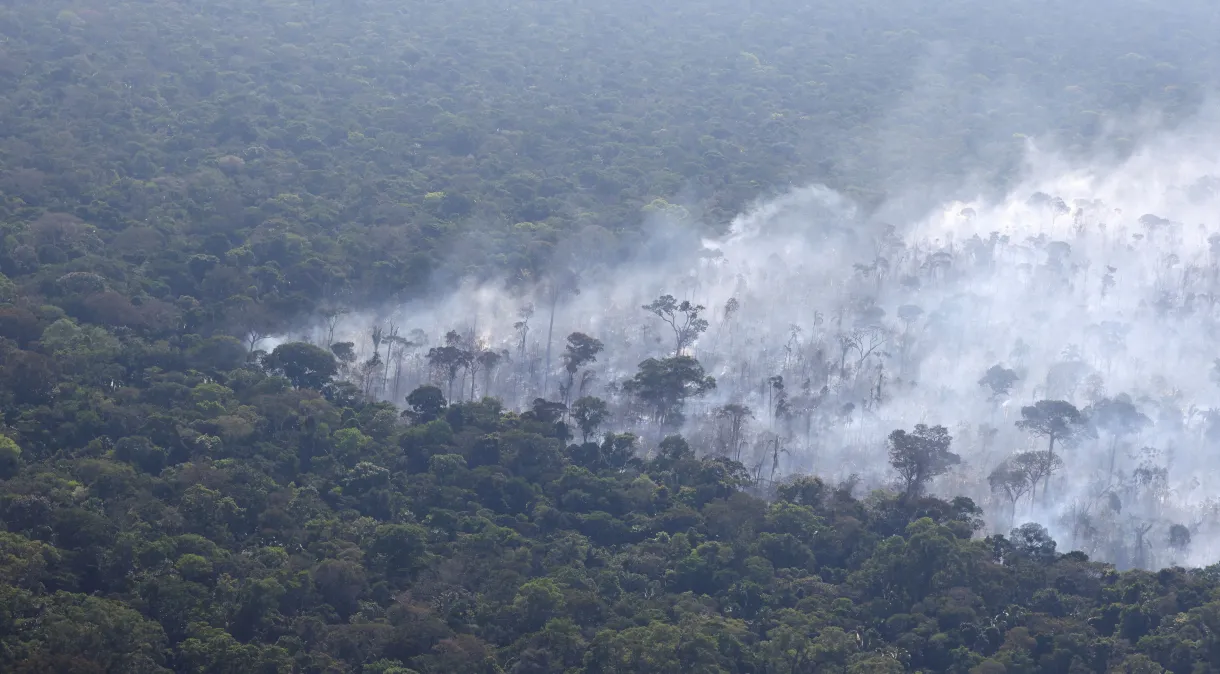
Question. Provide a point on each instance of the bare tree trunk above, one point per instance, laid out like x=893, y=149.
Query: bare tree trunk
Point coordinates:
x=1046, y=484
x=550, y=330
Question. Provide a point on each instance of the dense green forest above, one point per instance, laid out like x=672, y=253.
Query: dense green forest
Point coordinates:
x=181, y=180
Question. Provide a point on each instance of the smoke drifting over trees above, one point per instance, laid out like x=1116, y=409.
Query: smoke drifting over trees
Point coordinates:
x=1062, y=336
x=632, y=337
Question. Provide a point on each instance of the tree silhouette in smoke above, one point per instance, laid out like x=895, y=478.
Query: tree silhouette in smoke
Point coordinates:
x=665, y=385
x=682, y=317
x=450, y=358
x=1056, y=420
x=1120, y=418
x=999, y=380
x=1011, y=478
x=580, y=351
x=921, y=455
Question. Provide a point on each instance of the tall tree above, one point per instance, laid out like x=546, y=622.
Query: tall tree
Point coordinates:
x=1118, y=417
x=580, y=351
x=1039, y=466
x=682, y=317
x=332, y=315
x=397, y=353
x=1056, y=420
x=485, y=360
x=665, y=385
x=425, y=404
x=303, y=364
x=522, y=328
x=562, y=282
x=736, y=415
x=589, y=413
x=449, y=359
x=921, y=455
x=999, y=380
x=1013, y=480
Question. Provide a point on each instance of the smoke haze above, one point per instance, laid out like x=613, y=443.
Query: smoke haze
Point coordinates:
x=1090, y=282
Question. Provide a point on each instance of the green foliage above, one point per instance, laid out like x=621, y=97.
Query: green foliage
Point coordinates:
x=305, y=365
x=10, y=458
x=426, y=404
x=663, y=386
x=181, y=181
x=475, y=548
x=920, y=456
x=589, y=413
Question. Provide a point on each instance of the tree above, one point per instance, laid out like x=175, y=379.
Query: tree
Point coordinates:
x=563, y=281
x=303, y=364
x=1058, y=208
x=22, y=326
x=29, y=376
x=401, y=548
x=1038, y=466
x=396, y=352
x=331, y=316
x=665, y=385
x=1054, y=420
x=522, y=328
x=908, y=314
x=255, y=319
x=377, y=334
x=10, y=457
x=589, y=413
x=220, y=353
x=1011, y=480
x=449, y=359
x=731, y=307
x=1118, y=417
x=344, y=351
x=104, y=631
x=426, y=404
x=682, y=317
x=920, y=456
x=778, y=398
x=485, y=360
x=546, y=411
x=580, y=351
x=999, y=380
x=736, y=416
x=1033, y=541
x=1179, y=539
x=537, y=601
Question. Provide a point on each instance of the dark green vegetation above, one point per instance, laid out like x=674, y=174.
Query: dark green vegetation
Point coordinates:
x=226, y=521
x=182, y=178
x=290, y=154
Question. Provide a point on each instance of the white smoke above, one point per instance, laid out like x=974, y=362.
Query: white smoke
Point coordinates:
x=1088, y=280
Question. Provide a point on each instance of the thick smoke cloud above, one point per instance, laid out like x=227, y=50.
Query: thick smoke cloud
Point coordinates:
x=1090, y=283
